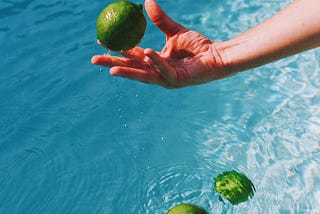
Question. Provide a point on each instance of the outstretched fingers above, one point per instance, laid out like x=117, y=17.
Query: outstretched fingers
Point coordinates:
x=142, y=75
x=111, y=61
x=161, y=19
x=131, y=69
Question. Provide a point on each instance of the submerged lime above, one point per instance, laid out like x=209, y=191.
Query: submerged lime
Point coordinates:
x=234, y=186
x=187, y=209
x=121, y=25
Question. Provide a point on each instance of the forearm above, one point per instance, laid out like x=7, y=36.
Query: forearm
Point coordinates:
x=293, y=30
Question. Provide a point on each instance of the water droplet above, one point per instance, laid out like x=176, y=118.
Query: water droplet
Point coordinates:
x=163, y=139
x=137, y=96
x=125, y=125
x=100, y=69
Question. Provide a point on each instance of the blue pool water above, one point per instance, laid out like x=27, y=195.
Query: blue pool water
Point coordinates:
x=73, y=139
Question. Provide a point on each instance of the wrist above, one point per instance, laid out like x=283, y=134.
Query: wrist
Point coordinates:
x=224, y=50
x=241, y=53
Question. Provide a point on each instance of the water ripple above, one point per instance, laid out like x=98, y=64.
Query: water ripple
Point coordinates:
x=54, y=16
x=13, y=8
x=170, y=185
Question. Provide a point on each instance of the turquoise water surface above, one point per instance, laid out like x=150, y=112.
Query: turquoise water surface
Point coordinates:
x=73, y=139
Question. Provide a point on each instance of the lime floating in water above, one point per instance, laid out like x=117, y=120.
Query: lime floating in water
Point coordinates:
x=234, y=186
x=121, y=25
x=187, y=209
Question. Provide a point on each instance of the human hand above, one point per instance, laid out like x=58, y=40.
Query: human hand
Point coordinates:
x=188, y=58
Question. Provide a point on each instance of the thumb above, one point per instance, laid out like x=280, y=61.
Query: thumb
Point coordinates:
x=161, y=19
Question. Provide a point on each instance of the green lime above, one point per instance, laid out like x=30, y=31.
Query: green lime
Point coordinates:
x=121, y=25
x=234, y=186
x=187, y=209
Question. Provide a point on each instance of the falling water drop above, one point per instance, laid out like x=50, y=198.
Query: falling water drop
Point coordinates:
x=108, y=52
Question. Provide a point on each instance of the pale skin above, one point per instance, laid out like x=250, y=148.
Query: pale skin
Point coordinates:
x=189, y=58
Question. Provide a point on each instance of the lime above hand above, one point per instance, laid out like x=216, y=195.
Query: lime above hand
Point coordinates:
x=234, y=186
x=186, y=209
x=121, y=25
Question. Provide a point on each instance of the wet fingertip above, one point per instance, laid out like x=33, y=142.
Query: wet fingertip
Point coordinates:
x=94, y=59
x=114, y=71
